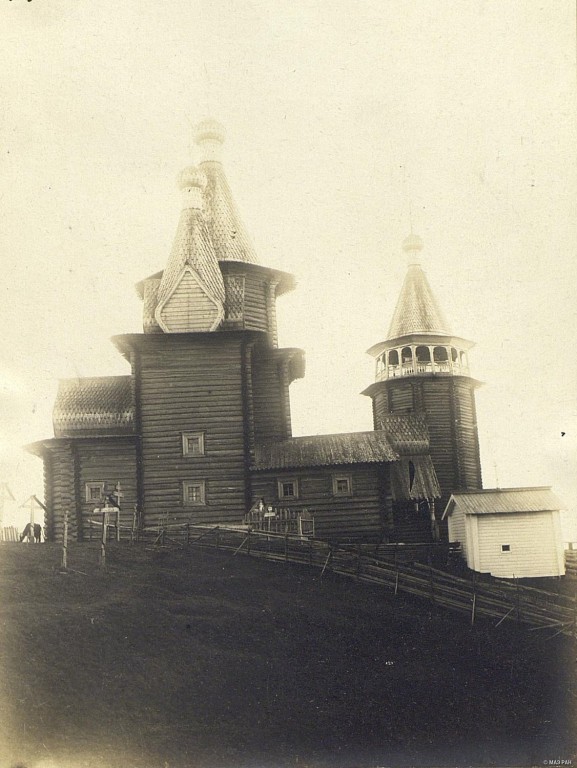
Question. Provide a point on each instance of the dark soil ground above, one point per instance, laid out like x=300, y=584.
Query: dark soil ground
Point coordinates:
x=192, y=657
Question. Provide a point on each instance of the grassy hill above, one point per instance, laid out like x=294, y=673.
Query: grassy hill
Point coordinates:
x=192, y=657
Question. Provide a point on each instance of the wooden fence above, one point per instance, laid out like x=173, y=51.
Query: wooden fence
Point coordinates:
x=9, y=533
x=502, y=600
x=571, y=563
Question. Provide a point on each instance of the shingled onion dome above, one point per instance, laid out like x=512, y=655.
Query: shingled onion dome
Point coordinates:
x=419, y=341
x=230, y=238
x=191, y=292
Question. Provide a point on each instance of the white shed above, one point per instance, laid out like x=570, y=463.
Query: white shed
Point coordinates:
x=508, y=532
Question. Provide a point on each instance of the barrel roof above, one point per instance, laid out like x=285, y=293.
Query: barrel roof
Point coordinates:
x=94, y=406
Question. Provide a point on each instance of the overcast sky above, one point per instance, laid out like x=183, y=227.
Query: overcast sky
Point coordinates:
x=341, y=117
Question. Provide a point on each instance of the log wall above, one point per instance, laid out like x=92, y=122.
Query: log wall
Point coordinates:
x=449, y=405
x=192, y=384
x=110, y=462
x=360, y=515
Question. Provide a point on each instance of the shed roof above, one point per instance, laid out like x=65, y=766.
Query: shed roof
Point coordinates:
x=503, y=501
x=325, y=450
x=92, y=406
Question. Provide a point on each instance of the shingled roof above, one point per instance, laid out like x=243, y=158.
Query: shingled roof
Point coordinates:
x=417, y=310
x=94, y=406
x=414, y=478
x=407, y=432
x=325, y=450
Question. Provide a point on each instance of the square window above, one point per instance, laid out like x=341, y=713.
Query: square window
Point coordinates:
x=505, y=547
x=94, y=492
x=342, y=485
x=288, y=489
x=193, y=493
x=193, y=444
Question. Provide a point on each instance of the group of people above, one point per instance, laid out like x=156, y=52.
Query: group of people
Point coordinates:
x=32, y=532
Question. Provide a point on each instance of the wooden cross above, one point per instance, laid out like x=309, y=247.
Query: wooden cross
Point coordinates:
x=32, y=503
x=117, y=493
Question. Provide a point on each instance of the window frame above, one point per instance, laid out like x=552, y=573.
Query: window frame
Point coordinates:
x=186, y=485
x=342, y=476
x=100, y=484
x=186, y=436
x=285, y=481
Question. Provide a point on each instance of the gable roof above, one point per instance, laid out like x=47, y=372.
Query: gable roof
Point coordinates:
x=503, y=501
x=325, y=450
x=414, y=478
x=94, y=406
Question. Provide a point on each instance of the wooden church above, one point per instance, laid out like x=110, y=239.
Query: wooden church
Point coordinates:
x=200, y=430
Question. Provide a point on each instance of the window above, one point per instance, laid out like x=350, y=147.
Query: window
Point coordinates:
x=94, y=491
x=288, y=489
x=505, y=547
x=193, y=444
x=193, y=493
x=342, y=485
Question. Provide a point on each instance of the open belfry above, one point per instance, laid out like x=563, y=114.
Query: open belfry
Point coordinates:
x=199, y=432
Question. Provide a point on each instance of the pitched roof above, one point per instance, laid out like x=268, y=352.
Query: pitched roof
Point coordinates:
x=417, y=310
x=414, y=478
x=99, y=405
x=503, y=501
x=325, y=450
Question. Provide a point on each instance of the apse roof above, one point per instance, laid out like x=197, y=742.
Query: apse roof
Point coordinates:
x=98, y=405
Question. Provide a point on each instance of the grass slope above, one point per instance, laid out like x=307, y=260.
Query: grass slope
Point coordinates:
x=193, y=657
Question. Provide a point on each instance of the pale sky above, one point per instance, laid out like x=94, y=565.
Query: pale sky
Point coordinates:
x=341, y=117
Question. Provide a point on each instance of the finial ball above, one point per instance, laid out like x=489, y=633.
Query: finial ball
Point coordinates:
x=209, y=130
x=192, y=177
x=413, y=243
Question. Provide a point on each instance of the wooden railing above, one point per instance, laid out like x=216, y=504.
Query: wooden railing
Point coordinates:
x=502, y=600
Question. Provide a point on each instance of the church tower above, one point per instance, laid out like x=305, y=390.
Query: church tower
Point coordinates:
x=209, y=379
x=422, y=368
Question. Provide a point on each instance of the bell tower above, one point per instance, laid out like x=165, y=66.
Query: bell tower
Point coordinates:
x=422, y=368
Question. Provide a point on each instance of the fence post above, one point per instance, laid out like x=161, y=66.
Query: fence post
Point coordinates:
x=188, y=533
x=248, y=542
x=118, y=524
x=103, y=542
x=358, y=560
x=65, y=543
x=218, y=538
x=474, y=598
x=286, y=547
